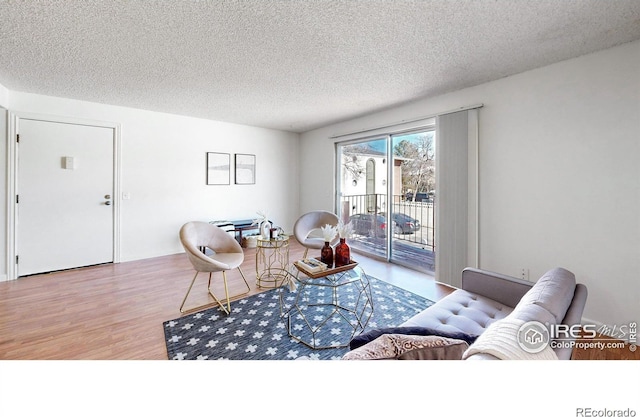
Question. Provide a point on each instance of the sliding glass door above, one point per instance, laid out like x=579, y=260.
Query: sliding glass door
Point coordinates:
x=362, y=191
x=386, y=188
x=413, y=196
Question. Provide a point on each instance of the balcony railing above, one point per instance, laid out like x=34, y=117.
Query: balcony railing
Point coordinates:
x=413, y=237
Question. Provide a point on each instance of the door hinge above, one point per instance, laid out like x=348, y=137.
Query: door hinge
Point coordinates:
x=18, y=138
x=17, y=198
x=17, y=259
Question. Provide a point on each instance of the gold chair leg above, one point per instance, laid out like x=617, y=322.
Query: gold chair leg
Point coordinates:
x=226, y=291
x=203, y=306
x=200, y=307
x=184, y=300
x=245, y=281
x=228, y=299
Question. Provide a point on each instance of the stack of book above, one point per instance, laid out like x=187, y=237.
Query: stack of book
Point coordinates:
x=312, y=265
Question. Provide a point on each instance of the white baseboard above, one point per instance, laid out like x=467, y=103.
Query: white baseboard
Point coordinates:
x=591, y=322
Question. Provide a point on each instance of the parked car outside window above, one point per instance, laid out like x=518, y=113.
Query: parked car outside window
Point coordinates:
x=420, y=197
x=369, y=225
x=404, y=223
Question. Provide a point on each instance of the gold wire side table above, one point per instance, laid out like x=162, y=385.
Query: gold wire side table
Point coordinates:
x=329, y=308
x=272, y=261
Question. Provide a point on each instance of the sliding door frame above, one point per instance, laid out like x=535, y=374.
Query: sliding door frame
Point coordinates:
x=388, y=136
x=418, y=124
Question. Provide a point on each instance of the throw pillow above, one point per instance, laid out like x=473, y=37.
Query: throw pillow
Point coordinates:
x=371, y=335
x=409, y=347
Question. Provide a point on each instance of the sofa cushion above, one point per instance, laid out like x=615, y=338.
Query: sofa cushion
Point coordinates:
x=460, y=312
x=532, y=312
x=553, y=292
x=409, y=347
x=371, y=335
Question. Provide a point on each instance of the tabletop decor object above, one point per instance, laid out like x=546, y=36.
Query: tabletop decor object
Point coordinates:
x=311, y=266
x=343, y=252
x=264, y=225
x=326, y=253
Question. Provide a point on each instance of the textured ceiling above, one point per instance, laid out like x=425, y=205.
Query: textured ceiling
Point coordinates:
x=290, y=65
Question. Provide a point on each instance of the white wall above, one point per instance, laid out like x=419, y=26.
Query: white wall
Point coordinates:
x=559, y=173
x=3, y=180
x=164, y=171
x=4, y=96
x=4, y=104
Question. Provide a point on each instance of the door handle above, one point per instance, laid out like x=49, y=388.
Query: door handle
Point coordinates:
x=107, y=203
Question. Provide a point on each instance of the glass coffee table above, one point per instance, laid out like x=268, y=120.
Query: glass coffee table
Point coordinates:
x=328, y=308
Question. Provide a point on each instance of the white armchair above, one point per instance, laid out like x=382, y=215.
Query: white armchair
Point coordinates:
x=227, y=255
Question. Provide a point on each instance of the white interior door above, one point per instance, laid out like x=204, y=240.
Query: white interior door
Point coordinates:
x=65, y=196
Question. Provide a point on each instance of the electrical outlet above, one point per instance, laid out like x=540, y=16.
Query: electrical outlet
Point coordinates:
x=524, y=274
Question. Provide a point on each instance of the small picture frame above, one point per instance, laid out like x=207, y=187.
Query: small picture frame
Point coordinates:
x=245, y=168
x=218, y=168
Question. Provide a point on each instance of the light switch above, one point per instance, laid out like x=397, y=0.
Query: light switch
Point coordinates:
x=68, y=162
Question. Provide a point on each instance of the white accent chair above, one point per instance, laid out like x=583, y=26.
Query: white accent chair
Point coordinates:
x=227, y=255
x=312, y=222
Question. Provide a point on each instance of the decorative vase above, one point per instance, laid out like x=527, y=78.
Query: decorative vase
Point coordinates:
x=326, y=254
x=265, y=230
x=343, y=253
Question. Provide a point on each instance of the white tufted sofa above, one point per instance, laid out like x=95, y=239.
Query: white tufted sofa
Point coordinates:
x=487, y=297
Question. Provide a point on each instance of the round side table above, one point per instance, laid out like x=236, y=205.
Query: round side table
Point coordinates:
x=272, y=261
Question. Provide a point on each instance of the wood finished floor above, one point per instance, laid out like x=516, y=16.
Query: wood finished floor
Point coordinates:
x=116, y=311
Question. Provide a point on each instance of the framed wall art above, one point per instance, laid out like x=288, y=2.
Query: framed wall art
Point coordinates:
x=218, y=168
x=245, y=168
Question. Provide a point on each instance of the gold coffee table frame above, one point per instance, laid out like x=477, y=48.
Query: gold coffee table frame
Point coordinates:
x=272, y=261
x=356, y=314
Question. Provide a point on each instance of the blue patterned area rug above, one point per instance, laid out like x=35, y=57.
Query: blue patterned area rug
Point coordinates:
x=255, y=329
